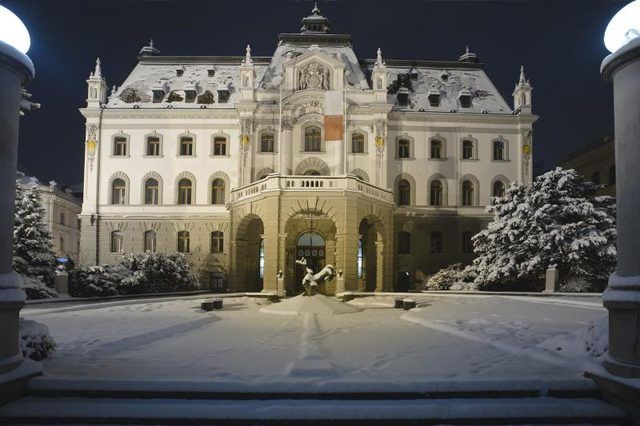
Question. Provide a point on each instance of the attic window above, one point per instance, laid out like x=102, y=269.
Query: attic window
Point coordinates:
x=211, y=73
x=223, y=95
x=158, y=96
x=190, y=96
x=444, y=76
x=179, y=72
x=414, y=74
x=403, y=96
x=465, y=101
x=434, y=99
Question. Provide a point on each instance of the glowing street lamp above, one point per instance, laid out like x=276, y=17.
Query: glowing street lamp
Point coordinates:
x=13, y=32
x=623, y=27
x=16, y=70
x=622, y=297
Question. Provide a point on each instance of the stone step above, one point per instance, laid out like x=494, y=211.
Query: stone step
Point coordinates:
x=141, y=389
x=451, y=411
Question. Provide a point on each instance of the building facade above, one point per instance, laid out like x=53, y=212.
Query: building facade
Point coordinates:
x=61, y=209
x=380, y=168
x=597, y=163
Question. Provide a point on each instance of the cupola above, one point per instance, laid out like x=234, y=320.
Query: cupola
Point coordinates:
x=315, y=23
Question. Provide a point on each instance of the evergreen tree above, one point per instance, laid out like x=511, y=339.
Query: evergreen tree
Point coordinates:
x=558, y=220
x=32, y=252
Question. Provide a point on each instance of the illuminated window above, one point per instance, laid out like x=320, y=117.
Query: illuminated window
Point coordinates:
x=360, y=259
x=261, y=258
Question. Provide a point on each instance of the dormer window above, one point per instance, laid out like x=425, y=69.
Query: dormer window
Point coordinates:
x=444, y=76
x=223, y=95
x=434, y=98
x=158, y=96
x=190, y=95
x=413, y=74
x=465, y=98
x=403, y=96
x=211, y=73
x=179, y=72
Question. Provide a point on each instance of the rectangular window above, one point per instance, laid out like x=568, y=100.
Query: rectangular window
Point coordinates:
x=436, y=149
x=186, y=146
x=120, y=146
x=158, y=96
x=211, y=73
x=179, y=72
x=404, y=149
x=467, y=150
x=62, y=221
x=153, y=146
x=357, y=144
x=266, y=142
x=190, y=96
x=220, y=146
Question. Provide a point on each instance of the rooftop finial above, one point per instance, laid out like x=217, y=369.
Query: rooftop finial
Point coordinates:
x=97, y=73
x=379, y=61
x=151, y=43
x=466, y=50
x=315, y=22
x=247, y=57
x=316, y=10
x=523, y=80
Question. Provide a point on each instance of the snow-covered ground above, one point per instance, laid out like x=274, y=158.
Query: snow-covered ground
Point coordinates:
x=444, y=338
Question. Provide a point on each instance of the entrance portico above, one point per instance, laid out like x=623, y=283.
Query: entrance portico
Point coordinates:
x=337, y=220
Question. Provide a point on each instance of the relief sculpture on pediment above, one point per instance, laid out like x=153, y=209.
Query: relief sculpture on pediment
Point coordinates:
x=313, y=76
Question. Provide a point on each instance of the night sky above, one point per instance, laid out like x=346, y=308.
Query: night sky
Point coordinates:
x=558, y=41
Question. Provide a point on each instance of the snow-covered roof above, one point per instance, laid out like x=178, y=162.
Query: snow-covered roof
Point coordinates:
x=161, y=73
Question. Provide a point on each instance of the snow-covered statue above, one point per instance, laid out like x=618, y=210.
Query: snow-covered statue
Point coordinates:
x=310, y=280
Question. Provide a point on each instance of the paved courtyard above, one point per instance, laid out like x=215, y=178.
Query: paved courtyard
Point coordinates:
x=446, y=337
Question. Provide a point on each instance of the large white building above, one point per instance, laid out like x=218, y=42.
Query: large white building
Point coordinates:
x=379, y=167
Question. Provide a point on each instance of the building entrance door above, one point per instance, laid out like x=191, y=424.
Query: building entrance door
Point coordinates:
x=311, y=246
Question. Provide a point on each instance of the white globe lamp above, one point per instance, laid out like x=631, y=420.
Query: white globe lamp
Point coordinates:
x=13, y=31
x=623, y=27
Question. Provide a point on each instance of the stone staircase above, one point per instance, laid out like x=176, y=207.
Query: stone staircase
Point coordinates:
x=119, y=402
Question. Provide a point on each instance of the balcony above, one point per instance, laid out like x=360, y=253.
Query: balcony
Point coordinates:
x=310, y=184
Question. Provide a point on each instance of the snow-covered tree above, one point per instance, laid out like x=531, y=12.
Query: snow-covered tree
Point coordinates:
x=32, y=249
x=558, y=220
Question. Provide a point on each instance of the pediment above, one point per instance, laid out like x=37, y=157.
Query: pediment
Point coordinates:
x=314, y=70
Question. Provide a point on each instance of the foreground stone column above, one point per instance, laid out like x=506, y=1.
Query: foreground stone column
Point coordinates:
x=622, y=297
x=16, y=70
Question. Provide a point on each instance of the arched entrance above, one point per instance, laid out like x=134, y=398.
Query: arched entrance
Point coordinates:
x=250, y=254
x=311, y=246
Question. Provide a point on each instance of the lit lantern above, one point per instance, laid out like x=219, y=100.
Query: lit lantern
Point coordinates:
x=380, y=141
x=13, y=32
x=91, y=146
x=526, y=149
x=623, y=27
x=245, y=139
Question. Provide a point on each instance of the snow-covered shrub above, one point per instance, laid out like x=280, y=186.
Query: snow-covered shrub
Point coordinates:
x=97, y=281
x=135, y=274
x=206, y=97
x=130, y=95
x=174, y=97
x=32, y=249
x=35, y=341
x=445, y=278
x=34, y=288
x=557, y=220
x=157, y=273
x=576, y=285
x=463, y=286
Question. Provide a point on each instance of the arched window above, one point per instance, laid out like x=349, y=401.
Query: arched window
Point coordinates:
x=312, y=139
x=217, y=242
x=436, y=149
x=467, y=150
x=467, y=193
x=267, y=142
x=186, y=146
x=404, y=148
x=117, y=242
x=217, y=191
x=612, y=175
x=118, y=191
x=184, y=242
x=219, y=145
x=153, y=146
x=595, y=178
x=435, y=193
x=150, y=241
x=498, y=150
x=498, y=189
x=151, y=191
x=436, y=242
x=185, y=188
x=120, y=146
x=467, y=244
x=357, y=143
x=404, y=242
x=404, y=193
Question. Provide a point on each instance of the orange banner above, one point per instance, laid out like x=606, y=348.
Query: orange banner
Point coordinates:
x=333, y=127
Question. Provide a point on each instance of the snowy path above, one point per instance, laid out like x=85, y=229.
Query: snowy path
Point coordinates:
x=445, y=338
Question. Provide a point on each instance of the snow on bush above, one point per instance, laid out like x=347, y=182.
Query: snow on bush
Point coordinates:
x=135, y=274
x=34, y=288
x=445, y=278
x=576, y=285
x=35, y=341
x=557, y=220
